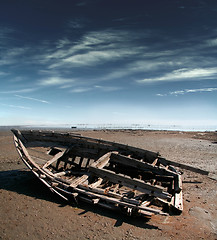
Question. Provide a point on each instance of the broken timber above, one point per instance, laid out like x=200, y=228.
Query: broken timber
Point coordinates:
x=108, y=174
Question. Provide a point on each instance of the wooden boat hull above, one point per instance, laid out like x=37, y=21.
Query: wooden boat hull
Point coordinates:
x=108, y=174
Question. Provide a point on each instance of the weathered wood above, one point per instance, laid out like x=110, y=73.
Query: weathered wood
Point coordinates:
x=29, y=161
x=154, y=162
x=63, y=173
x=102, y=161
x=96, y=184
x=128, y=161
x=178, y=184
x=95, y=200
x=178, y=201
x=116, y=188
x=109, y=193
x=94, y=143
x=19, y=135
x=54, y=159
x=146, y=213
x=146, y=203
x=164, y=178
x=117, y=201
x=184, y=166
x=26, y=154
x=100, y=153
x=128, y=182
x=104, y=205
x=79, y=180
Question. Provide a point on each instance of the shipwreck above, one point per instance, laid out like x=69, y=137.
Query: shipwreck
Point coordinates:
x=111, y=175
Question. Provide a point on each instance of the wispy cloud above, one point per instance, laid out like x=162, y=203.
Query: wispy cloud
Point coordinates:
x=63, y=43
x=76, y=23
x=108, y=88
x=211, y=42
x=94, y=88
x=81, y=90
x=30, y=98
x=25, y=90
x=184, y=74
x=5, y=33
x=53, y=81
x=15, y=106
x=94, y=48
x=12, y=55
x=186, y=91
x=3, y=73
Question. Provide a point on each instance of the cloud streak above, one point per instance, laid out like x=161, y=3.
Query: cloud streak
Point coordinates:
x=184, y=74
x=94, y=48
x=186, y=91
x=80, y=90
x=55, y=81
x=16, y=106
x=95, y=88
x=33, y=99
x=25, y=90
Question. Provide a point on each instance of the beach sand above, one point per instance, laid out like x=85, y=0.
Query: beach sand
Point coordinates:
x=29, y=210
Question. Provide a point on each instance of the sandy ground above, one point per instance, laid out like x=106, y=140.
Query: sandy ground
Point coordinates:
x=29, y=210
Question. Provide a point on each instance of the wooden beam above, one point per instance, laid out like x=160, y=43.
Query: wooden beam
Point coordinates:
x=110, y=194
x=79, y=180
x=19, y=135
x=54, y=159
x=117, y=201
x=96, y=184
x=132, y=162
x=131, y=183
x=178, y=204
x=94, y=143
x=184, y=166
x=154, y=162
x=102, y=161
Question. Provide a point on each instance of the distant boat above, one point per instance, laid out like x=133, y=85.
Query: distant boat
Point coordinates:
x=108, y=174
x=73, y=127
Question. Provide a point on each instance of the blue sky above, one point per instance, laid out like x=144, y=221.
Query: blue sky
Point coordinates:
x=117, y=61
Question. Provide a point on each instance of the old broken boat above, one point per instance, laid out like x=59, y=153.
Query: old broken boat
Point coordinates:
x=108, y=174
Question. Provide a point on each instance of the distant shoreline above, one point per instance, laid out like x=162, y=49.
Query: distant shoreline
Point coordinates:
x=114, y=127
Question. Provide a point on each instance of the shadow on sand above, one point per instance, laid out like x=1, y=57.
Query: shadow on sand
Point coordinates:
x=24, y=182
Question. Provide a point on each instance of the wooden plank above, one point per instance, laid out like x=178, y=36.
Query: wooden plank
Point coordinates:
x=178, y=184
x=178, y=204
x=54, y=159
x=116, y=188
x=102, y=161
x=146, y=213
x=25, y=152
x=164, y=178
x=87, y=163
x=104, y=205
x=19, y=135
x=95, y=143
x=131, y=183
x=96, y=184
x=132, y=162
x=112, y=202
x=154, y=162
x=109, y=193
x=29, y=161
x=184, y=166
x=79, y=180
x=117, y=201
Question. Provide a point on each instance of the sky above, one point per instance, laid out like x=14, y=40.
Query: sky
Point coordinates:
x=108, y=62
